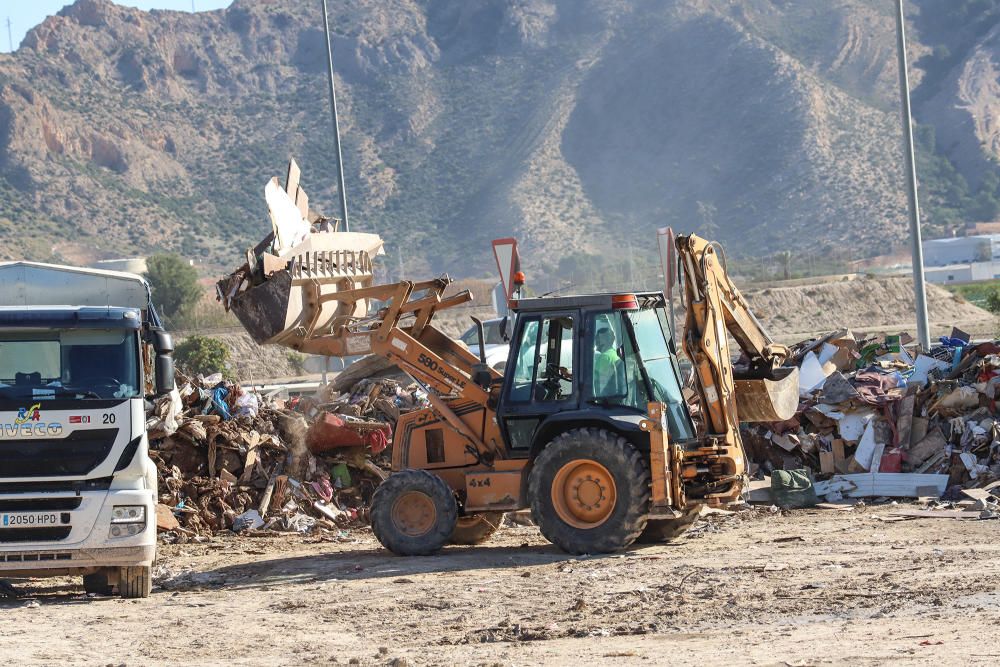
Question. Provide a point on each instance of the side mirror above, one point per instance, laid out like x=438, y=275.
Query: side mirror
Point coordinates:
x=505, y=329
x=163, y=345
x=164, y=374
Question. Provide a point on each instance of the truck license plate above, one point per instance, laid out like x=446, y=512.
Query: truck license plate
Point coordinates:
x=29, y=520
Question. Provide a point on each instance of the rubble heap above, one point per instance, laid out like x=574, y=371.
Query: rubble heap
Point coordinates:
x=232, y=460
x=926, y=424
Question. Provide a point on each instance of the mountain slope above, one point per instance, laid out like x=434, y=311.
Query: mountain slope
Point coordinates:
x=572, y=124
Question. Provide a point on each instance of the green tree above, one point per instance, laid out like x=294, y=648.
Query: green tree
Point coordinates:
x=993, y=302
x=202, y=354
x=175, y=286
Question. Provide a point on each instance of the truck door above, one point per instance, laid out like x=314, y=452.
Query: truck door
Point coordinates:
x=539, y=378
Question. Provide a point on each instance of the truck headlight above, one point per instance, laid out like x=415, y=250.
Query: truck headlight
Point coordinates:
x=128, y=514
x=126, y=529
x=127, y=520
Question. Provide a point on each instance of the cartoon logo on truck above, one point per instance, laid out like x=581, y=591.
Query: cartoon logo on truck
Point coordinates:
x=29, y=424
x=24, y=415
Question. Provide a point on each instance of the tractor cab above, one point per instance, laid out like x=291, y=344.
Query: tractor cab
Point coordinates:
x=596, y=359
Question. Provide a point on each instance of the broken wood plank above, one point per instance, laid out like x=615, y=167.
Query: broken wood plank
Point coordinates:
x=918, y=430
x=904, y=423
x=937, y=514
x=930, y=445
x=248, y=465
x=930, y=463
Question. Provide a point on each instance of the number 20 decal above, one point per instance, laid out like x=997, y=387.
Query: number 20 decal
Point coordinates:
x=109, y=418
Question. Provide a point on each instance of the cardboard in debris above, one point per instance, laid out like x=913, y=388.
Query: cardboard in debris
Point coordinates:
x=930, y=445
x=826, y=462
x=838, y=389
x=866, y=447
x=839, y=457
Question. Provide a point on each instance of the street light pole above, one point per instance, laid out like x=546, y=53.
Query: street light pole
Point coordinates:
x=336, y=122
x=920, y=292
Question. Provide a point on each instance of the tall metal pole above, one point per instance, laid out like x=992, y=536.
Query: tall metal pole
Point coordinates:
x=10, y=38
x=336, y=122
x=919, y=290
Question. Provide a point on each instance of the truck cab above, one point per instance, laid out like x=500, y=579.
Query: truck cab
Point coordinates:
x=78, y=349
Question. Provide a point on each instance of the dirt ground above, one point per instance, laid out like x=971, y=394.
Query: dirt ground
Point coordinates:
x=805, y=588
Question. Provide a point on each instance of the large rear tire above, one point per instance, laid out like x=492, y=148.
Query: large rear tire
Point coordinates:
x=664, y=530
x=476, y=528
x=413, y=513
x=589, y=492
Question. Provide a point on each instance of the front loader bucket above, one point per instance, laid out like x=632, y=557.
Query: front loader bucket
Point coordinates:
x=263, y=309
x=773, y=399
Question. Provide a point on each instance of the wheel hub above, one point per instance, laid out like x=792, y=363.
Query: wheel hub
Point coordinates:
x=414, y=514
x=584, y=493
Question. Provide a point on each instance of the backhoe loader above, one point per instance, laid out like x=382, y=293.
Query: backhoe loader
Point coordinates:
x=587, y=425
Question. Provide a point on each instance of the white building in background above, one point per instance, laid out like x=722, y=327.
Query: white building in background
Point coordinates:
x=135, y=265
x=962, y=259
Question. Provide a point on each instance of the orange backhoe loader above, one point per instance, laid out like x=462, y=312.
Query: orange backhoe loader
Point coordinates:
x=587, y=427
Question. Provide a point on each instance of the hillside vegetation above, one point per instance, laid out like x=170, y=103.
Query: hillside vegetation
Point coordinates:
x=579, y=126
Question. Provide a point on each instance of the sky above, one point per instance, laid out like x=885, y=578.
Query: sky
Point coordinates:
x=26, y=14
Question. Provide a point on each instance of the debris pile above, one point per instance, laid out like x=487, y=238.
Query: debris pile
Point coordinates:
x=877, y=419
x=230, y=459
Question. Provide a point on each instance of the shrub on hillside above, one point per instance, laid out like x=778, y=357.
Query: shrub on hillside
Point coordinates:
x=202, y=354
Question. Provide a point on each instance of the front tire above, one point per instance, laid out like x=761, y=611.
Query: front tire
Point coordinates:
x=135, y=582
x=476, y=528
x=589, y=492
x=97, y=584
x=413, y=513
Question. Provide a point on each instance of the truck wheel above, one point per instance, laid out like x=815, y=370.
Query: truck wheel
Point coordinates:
x=413, y=513
x=476, y=528
x=664, y=530
x=135, y=582
x=97, y=584
x=589, y=492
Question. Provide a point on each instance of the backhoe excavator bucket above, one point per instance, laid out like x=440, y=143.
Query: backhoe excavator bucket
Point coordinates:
x=773, y=399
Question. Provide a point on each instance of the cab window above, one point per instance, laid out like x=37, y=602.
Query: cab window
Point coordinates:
x=543, y=370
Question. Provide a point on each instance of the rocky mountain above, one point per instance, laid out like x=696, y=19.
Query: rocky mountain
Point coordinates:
x=575, y=125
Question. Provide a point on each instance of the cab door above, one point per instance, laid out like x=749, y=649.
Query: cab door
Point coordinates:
x=539, y=378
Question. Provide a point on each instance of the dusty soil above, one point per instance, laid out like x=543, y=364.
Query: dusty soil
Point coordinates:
x=870, y=305
x=810, y=587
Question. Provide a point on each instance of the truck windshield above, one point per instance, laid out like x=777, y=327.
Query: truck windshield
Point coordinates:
x=652, y=333
x=90, y=363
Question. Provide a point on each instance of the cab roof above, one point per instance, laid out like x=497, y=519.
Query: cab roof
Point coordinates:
x=579, y=301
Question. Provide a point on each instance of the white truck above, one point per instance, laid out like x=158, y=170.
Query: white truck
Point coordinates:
x=80, y=351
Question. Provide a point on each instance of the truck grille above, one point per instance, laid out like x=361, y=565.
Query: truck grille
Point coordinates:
x=33, y=557
x=76, y=454
x=48, y=534
x=40, y=504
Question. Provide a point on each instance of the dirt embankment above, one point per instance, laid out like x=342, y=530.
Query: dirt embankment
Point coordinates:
x=863, y=304
x=790, y=314
x=251, y=362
